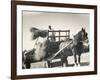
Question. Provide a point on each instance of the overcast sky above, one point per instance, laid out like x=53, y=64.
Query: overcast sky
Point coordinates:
x=58, y=21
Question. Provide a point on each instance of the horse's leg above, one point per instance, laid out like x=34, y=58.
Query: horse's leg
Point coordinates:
x=79, y=58
x=75, y=57
x=23, y=65
x=49, y=64
x=63, y=61
x=27, y=62
x=28, y=65
x=66, y=61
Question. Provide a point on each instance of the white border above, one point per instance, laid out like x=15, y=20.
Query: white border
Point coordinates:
x=20, y=71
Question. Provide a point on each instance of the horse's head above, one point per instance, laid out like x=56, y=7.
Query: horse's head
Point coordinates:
x=34, y=32
x=81, y=36
x=84, y=34
x=38, y=33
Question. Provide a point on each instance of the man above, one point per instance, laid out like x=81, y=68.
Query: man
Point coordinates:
x=52, y=37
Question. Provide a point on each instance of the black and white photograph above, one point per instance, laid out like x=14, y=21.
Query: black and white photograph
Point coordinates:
x=53, y=39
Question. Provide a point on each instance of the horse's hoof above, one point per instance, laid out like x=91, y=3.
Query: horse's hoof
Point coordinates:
x=75, y=65
x=78, y=65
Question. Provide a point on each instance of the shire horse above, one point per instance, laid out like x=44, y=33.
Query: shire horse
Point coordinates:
x=38, y=53
x=49, y=47
x=43, y=49
x=76, y=48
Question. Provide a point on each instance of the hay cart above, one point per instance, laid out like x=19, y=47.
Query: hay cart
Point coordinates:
x=55, y=61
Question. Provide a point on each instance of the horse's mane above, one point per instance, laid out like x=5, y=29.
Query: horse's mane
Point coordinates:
x=77, y=34
x=33, y=29
x=38, y=33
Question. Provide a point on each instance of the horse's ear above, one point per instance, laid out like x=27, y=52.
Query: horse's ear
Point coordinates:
x=83, y=29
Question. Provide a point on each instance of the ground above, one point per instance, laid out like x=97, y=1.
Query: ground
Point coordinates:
x=84, y=61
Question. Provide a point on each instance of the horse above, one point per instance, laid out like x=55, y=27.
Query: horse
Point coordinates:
x=76, y=47
x=49, y=46
x=34, y=55
x=23, y=59
x=43, y=48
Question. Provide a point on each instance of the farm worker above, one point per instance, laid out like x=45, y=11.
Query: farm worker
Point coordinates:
x=52, y=37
